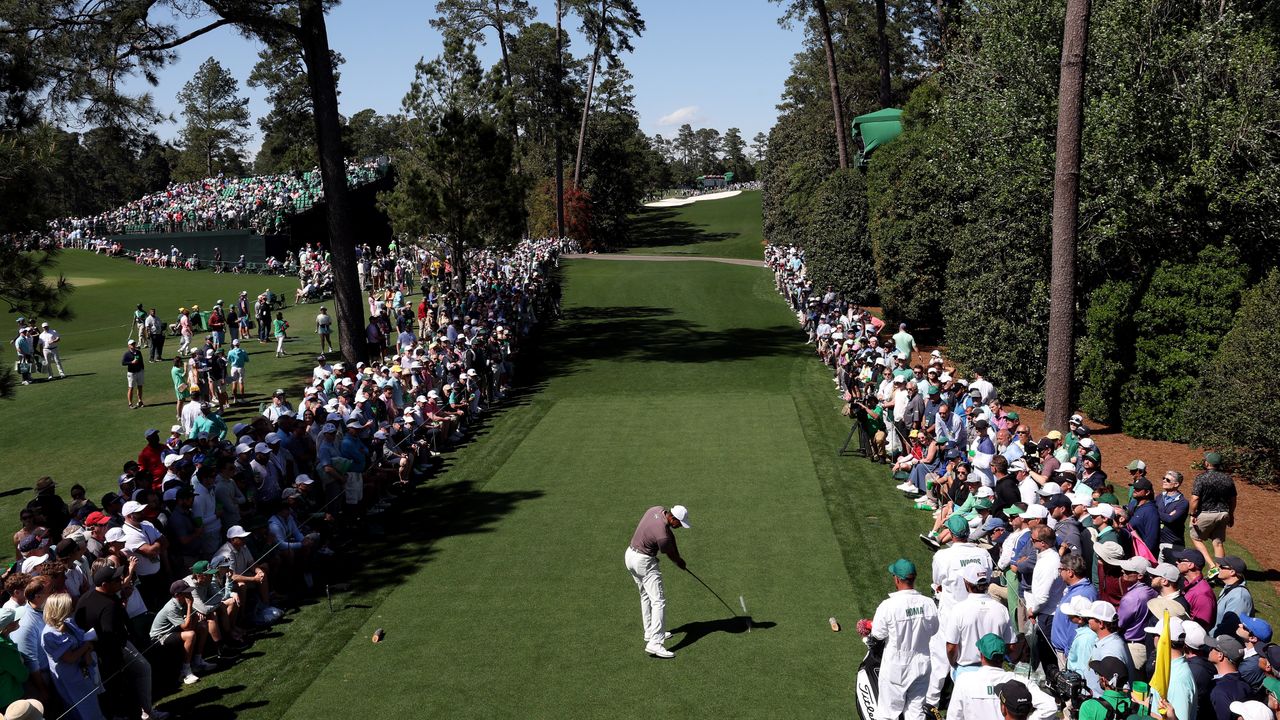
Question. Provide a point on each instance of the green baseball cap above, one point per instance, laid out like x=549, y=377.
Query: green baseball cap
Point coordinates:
x=903, y=569
x=202, y=568
x=1213, y=458
x=1012, y=416
x=958, y=526
x=983, y=504
x=1272, y=686
x=991, y=646
x=1012, y=511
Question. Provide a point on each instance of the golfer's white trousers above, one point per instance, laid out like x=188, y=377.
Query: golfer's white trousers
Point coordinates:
x=653, y=601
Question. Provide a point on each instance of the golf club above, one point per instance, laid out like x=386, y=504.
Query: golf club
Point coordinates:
x=726, y=605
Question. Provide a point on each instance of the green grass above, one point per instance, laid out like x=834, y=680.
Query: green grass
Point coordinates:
x=712, y=228
x=501, y=588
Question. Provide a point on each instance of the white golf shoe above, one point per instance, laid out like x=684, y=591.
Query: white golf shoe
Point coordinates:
x=656, y=650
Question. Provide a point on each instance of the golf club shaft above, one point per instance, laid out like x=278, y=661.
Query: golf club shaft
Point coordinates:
x=713, y=592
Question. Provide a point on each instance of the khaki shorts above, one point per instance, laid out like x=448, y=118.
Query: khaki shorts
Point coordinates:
x=134, y=379
x=1209, y=526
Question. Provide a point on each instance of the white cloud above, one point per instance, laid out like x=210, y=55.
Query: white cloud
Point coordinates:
x=680, y=116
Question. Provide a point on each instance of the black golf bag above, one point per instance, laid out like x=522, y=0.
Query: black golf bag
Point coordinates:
x=868, y=679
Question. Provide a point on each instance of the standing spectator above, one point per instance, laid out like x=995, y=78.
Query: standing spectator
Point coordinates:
x=324, y=328
x=154, y=329
x=181, y=390
x=133, y=375
x=72, y=661
x=30, y=614
x=1110, y=644
x=13, y=668
x=1182, y=684
x=1213, y=509
x=1235, y=596
x=905, y=622
x=140, y=324
x=217, y=324
x=25, y=348
x=262, y=311
x=237, y=359
x=1132, y=614
x=1195, y=588
x=50, y=340
x=1173, y=507
x=185, y=330
x=279, y=330
x=1144, y=516
x=1075, y=580
x=1226, y=653
x=50, y=509
x=146, y=544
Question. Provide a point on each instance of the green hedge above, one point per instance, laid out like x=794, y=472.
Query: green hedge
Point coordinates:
x=1178, y=324
x=837, y=252
x=1105, y=350
x=1233, y=407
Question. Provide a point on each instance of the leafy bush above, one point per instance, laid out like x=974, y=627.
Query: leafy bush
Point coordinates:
x=909, y=229
x=837, y=251
x=1105, y=350
x=1233, y=408
x=577, y=212
x=1178, y=325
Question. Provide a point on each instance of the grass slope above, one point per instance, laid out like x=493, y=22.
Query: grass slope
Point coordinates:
x=712, y=228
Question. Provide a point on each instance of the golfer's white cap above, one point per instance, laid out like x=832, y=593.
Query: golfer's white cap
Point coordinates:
x=681, y=513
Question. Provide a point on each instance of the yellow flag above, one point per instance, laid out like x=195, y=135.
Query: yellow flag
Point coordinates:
x=1160, y=678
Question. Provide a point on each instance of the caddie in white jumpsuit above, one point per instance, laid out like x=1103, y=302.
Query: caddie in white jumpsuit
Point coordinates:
x=905, y=621
x=949, y=589
x=653, y=535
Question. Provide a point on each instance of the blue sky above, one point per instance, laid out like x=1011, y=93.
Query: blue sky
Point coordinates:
x=711, y=63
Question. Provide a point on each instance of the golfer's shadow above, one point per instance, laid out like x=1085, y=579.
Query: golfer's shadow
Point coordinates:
x=695, y=631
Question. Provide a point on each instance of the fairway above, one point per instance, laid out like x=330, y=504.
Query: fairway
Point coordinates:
x=729, y=227
x=501, y=588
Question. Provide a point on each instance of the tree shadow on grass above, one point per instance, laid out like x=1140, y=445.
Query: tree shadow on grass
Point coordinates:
x=695, y=631
x=652, y=334
x=659, y=227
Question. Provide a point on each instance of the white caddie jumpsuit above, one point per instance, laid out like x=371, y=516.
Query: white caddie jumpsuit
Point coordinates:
x=905, y=620
x=946, y=575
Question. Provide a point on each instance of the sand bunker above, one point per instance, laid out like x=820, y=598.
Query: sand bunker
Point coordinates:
x=677, y=202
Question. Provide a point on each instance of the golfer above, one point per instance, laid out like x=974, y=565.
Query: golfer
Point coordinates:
x=904, y=622
x=653, y=535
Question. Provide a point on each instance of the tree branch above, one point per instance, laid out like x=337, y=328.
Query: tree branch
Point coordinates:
x=136, y=48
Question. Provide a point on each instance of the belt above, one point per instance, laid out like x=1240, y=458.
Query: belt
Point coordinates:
x=641, y=552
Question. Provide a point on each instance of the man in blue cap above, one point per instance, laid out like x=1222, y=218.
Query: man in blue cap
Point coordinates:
x=905, y=621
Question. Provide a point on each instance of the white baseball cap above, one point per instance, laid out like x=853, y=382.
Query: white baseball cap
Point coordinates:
x=1103, y=610
x=1177, y=630
x=1079, y=606
x=1102, y=510
x=975, y=574
x=115, y=534
x=1251, y=710
x=1050, y=489
x=1034, y=512
x=681, y=513
x=235, y=531
x=303, y=479
x=1135, y=564
x=132, y=508
x=984, y=491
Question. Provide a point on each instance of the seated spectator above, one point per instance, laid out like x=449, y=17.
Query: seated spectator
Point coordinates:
x=179, y=625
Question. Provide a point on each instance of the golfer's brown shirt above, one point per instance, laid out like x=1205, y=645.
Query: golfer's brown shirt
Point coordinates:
x=653, y=535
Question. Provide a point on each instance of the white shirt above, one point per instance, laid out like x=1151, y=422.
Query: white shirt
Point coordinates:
x=50, y=339
x=136, y=537
x=975, y=616
x=974, y=696
x=1029, y=491
x=1006, y=549
x=906, y=620
x=1042, y=580
x=986, y=388
x=190, y=412
x=947, y=563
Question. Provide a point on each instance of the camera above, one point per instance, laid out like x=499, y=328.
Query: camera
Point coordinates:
x=1068, y=688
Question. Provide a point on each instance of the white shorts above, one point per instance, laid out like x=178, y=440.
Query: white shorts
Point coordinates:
x=134, y=379
x=236, y=374
x=354, y=488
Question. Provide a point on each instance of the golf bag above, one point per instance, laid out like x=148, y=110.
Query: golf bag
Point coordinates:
x=868, y=679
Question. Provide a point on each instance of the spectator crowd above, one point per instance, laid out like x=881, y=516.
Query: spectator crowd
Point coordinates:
x=214, y=526
x=261, y=203
x=1038, y=563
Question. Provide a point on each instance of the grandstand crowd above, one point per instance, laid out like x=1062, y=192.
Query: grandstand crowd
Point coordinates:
x=261, y=203
x=1038, y=564
x=214, y=525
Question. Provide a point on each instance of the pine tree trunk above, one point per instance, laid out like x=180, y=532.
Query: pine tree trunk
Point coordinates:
x=559, y=120
x=1058, y=398
x=586, y=104
x=834, y=81
x=348, y=298
x=886, y=85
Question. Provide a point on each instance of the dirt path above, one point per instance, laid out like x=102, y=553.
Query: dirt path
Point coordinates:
x=662, y=258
